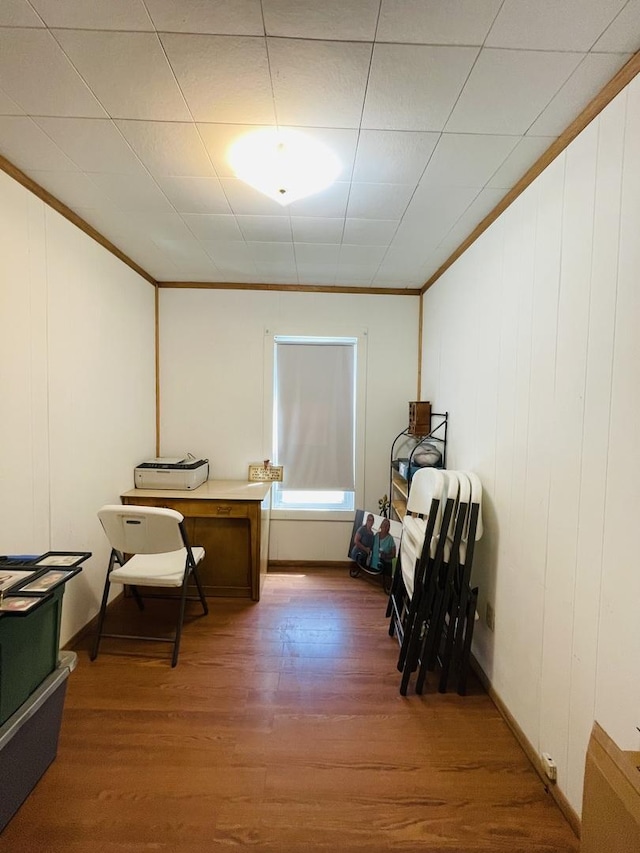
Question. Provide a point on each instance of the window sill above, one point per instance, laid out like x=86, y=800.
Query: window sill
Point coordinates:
x=313, y=515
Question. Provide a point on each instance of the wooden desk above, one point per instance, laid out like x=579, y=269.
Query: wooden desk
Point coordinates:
x=230, y=520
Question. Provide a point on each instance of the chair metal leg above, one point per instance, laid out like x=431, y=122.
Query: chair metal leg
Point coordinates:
x=183, y=601
x=203, y=599
x=103, y=609
x=137, y=596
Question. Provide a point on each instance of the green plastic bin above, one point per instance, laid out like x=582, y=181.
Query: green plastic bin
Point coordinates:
x=29, y=646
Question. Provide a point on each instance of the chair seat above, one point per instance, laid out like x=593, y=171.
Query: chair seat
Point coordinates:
x=155, y=569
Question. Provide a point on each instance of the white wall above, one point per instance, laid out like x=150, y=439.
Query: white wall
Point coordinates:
x=77, y=386
x=215, y=386
x=531, y=343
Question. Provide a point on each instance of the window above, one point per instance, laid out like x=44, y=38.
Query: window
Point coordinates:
x=314, y=417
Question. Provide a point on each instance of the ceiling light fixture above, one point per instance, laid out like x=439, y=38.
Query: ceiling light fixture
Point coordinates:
x=284, y=164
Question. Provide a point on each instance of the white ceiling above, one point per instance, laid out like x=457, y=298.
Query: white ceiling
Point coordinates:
x=124, y=110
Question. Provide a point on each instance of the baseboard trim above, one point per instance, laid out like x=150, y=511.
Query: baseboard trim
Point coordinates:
x=563, y=804
x=90, y=628
x=296, y=565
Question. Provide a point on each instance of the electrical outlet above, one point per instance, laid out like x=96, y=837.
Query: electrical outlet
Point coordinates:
x=549, y=767
x=490, y=617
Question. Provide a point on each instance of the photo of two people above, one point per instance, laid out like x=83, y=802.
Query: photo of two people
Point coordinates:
x=375, y=543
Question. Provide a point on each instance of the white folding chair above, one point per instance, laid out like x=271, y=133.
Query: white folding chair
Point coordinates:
x=468, y=597
x=437, y=641
x=160, y=556
x=427, y=573
x=420, y=521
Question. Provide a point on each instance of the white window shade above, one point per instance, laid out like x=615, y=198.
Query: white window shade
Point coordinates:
x=315, y=413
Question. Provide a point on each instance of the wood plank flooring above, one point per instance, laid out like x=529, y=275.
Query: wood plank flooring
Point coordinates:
x=281, y=730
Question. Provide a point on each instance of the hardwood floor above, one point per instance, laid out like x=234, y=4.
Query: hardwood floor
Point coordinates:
x=281, y=730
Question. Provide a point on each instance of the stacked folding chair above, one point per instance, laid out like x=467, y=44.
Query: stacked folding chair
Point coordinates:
x=431, y=605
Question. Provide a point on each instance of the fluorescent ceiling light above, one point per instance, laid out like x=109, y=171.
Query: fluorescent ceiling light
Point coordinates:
x=283, y=164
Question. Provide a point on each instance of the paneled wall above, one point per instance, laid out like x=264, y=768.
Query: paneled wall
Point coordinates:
x=77, y=388
x=216, y=387
x=531, y=342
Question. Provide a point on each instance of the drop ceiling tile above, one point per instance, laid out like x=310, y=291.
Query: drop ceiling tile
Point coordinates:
x=456, y=22
x=508, y=89
x=72, y=188
x=348, y=275
x=189, y=258
x=281, y=253
x=195, y=195
x=224, y=78
x=271, y=229
x=623, y=32
x=379, y=201
x=317, y=273
x=213, y=226
x=27, y=147
x=18, y=13
x=398, y=267
x=8, y=106
x=393, y=157
x=317, y=229
x=325, y=254
x=364, y=256
x=229, y=17
x=430, y=216
x=523, y=156
x=594, y=72
x=319, y=83
x=94, y=145
x=94, y=14
x=276, y=274
x=228, y=255
x=226, y=274
x=549, y=25
x=132, y=193
x=168, y=148
x=36, y=74
x=414, y=87
x=467, y=159
x=331, y=19
x=482, y=205
x=369, y=232
x=244, y=200
x=158, y=225
x=331, y=202
x=128, y=72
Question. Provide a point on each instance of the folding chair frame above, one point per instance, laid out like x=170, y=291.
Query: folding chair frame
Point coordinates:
x=191, y=568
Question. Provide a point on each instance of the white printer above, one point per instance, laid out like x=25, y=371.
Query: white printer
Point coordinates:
x=171, y=473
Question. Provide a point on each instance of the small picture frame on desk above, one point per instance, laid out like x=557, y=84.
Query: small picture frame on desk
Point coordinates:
x=45, y=582
x=61, y=559
x=20, y=605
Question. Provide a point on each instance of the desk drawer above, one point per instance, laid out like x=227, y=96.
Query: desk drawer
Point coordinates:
x=201, y=508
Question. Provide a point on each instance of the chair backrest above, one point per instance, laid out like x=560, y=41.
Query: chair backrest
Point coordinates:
x=475, y=512
x=476, y=498
x=447, y=513
x=459, y=525
x=142, y=529
x=426, y=484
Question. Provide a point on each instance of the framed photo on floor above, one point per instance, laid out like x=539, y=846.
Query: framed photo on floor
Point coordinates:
x=384, y=538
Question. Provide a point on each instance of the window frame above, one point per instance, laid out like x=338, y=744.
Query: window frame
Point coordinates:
x=334, y=332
